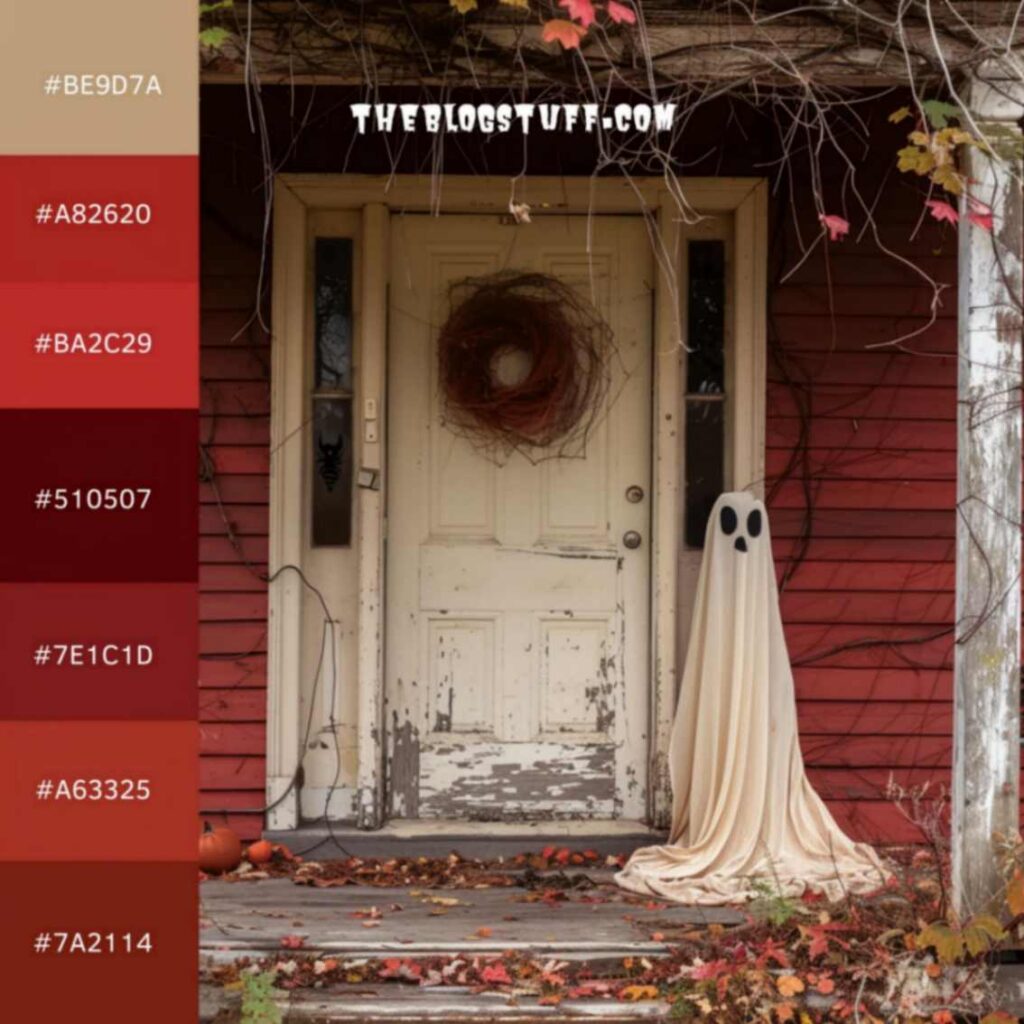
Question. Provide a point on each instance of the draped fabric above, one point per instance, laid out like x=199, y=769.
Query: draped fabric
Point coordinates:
x=744, y=814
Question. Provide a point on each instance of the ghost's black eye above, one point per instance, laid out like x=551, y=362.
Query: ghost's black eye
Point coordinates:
x=754, y=523
x=728, y=518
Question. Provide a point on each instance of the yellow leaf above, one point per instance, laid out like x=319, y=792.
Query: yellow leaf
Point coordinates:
x=525, y=4
x=789, y=985
x=981, y=932
x=463, y=6
x=999, y=1017
x=899, y=115
x=946, y=177
x=1015, y=893
x=913, y=158
x=920, y=138
x=946, y=942
x=637, y=993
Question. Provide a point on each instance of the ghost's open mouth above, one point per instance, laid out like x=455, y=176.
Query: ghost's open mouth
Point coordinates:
x=741, y=544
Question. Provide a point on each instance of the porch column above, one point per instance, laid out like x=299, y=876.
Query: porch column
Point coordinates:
x=986, y=747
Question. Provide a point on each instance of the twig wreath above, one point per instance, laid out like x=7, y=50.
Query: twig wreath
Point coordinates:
x=523, y=364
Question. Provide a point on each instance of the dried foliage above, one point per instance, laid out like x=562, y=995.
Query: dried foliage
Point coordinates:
x=892, y=956
x=523, y=365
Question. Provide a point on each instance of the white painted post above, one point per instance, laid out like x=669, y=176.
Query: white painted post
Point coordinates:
x=986, y=748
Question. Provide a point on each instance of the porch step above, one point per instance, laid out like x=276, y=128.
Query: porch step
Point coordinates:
x=249, y=919
x=408, y=1004
x=483, y=840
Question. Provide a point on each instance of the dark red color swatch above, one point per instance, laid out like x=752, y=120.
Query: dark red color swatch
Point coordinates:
x=164, y=249
x=59, y=639
x=114, y=370
x=85, y=450
x=161, y=827
x=155, y=987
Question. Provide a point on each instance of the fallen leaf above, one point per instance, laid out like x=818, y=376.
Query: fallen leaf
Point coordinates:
x=638, y=993
x=568, y=33
x=484, y=933
x=789, y=985
x=496, y=974
x=463, y=6
x=899, y=115
x=826, y=986
x=293, y=942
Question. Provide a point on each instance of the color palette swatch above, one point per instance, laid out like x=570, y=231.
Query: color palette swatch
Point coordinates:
x=98, y=569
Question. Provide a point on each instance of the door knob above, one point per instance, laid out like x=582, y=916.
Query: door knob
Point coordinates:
x=631, y=539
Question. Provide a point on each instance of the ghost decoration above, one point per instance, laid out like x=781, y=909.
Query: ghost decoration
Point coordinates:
x=743, y=812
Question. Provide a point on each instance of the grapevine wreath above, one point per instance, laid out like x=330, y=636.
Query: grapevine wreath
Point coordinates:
x=523, y=364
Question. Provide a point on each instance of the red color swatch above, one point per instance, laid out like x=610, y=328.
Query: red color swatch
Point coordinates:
x=124, y=188
x=91, y=451
x=95, y=346
x=135, y=899
x=88, y=824
x=98, y=650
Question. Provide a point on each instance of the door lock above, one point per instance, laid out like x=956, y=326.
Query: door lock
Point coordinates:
x=631, y=539
x=634, y=494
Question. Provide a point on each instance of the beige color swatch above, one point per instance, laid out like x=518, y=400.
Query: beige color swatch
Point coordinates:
x=100, y=37
x=744, y=813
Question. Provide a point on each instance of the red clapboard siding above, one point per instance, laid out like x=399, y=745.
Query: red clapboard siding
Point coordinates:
x=804, y=333
x=865, y=401
x=250, y=670
x=853, y=434
x=836, y=683
x=873, y=493
x=235, y=432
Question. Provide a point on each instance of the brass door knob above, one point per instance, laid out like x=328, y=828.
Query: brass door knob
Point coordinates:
x=631, y=539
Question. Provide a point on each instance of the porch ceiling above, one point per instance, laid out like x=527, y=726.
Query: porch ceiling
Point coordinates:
x=837, y=43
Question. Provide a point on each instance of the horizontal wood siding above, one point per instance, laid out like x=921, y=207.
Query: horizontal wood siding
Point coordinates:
x=861, y=461
x=235, y=432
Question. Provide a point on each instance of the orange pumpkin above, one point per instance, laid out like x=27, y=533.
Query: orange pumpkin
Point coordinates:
x=220, y=850
x=259, y=852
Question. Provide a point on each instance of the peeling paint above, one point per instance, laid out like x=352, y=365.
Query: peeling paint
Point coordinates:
x=404, y=777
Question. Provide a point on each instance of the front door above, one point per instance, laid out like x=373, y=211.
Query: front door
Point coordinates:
x=517, y=620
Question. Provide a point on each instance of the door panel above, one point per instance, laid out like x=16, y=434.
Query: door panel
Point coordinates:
x=517, y=661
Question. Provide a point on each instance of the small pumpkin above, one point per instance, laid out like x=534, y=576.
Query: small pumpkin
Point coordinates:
x=220, y=849
x=259, y=852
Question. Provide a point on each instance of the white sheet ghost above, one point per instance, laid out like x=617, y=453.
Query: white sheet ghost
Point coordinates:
x=742, y=808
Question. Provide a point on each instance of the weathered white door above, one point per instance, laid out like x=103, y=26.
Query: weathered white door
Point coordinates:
x=517, y=657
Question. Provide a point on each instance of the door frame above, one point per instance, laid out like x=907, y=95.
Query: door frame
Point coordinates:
x=300, y=197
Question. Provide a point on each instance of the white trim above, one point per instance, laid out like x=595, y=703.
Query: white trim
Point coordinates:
x=287, y=506
x=297, y=197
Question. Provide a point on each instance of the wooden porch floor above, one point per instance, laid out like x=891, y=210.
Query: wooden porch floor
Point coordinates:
x=597, y=922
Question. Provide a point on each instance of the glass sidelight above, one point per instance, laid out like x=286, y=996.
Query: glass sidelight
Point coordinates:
x=332, y=455
x=705, y=289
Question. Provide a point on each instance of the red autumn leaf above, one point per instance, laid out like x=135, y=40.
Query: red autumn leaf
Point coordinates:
x=563, y=855
x=837, y=227
x=826, y=986
x=495, y=974
x=979, y=213
x=484, y=932
x=942, y=211
x=568, y=33
x=710, y=971
x=293, y=942
x=548, y=852
x=620, y=13
x=581, y=10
